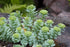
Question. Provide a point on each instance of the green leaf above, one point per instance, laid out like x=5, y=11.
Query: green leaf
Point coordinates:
x=15, y=1
x=9, y=8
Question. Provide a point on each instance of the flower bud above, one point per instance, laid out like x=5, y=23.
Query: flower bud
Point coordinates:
x=31, y=7
x=61, y=25
x=12, y=18
x=57, y=29
x=45, y=29
x=44, y=12
x=19, y=28
x=2, y=22
x=39, y=21
x=50, y=41
x=12, y=14
x=38, y=45
x=2, y=18
x=27, y=18
x=49, y=21
x=16, y=35
x=28, y=33
x=18, y=12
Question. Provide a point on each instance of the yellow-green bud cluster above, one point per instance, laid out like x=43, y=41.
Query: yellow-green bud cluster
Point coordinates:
x=39, y=21
x=16, y=35
x=44, y=12
x=38, y=45
x=49, y=22
x=2, y=22
x=26, y=18
x=28, y=33
x=18, y=28
x=45, y=29
x=57, y=29
x=17, y=12
x=31, y=7
x=2, y=18
x=50, y=41
x=61, y=25
x=12, y=14
x=12, y=18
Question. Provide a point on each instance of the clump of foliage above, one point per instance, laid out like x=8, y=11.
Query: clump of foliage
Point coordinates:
x=43, y=14
x=69, y=2
x=9, y=6
x=3, y=2
x=33, y=31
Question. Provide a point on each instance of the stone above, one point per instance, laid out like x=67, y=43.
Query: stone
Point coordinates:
x=47, y=2
x=55, y=8
x=59, y=5
x=4, y=15
x=56, y=5
x=0, y=45
x=64, y=17
x=65, y=37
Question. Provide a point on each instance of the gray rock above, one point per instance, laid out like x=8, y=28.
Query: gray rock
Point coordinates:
x=64, y=17
x=65, y=37
x=56, y=5
x=4, y=15
x=47, y=2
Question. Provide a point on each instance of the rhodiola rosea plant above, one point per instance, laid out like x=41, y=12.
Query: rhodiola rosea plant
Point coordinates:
x=33, y=31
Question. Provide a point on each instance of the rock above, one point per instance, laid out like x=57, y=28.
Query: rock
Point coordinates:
x=4, y=15
x=64, y=17
x=56, y=5
x=55, y=8
x=65, y=37
x=47, y=2
x=68, y=9
x=0, y=45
